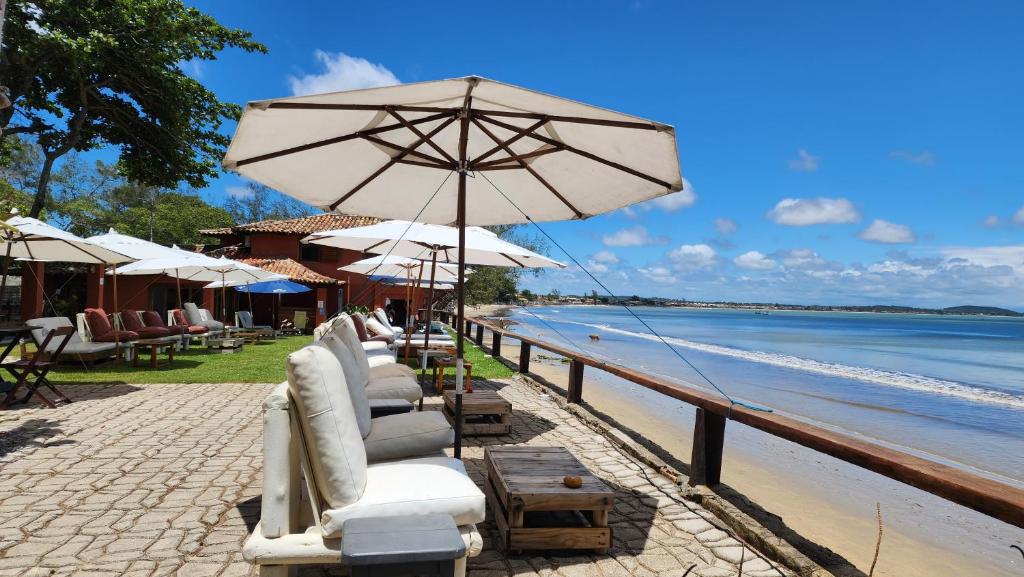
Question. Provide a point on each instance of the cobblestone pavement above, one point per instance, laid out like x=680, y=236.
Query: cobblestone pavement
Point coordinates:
x=165, y=480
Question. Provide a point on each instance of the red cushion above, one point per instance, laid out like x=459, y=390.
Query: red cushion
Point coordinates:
x=112, y=336
x=360, y=328
x=98, y=323
x=131, y=320
x=153, y=319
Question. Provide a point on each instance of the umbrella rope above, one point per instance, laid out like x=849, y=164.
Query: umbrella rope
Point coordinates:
x=732, y=402
x=404, y=232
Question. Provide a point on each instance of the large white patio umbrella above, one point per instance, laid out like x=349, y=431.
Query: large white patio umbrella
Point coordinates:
x=202, y=268
x=379, y=152
x=32, y=239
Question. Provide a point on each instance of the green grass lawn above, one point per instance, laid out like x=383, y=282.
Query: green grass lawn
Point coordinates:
x=255, y=363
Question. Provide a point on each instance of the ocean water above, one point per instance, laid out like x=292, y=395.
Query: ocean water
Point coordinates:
x=949, y=388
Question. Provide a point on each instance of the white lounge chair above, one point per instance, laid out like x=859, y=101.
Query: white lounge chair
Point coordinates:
x=383, y=381
x=316, y=476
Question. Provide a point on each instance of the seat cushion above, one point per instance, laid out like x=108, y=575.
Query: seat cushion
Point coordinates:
x=417, y=434
x=369, y=346
x=42, y=327
x=394, y=388
x=354, y=379
x=382, y=359
x=413, y=487
x=391, y=370
x=112, y=336
x=335, y=447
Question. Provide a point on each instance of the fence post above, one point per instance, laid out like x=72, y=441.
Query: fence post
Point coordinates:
x=524, y=357
x=708, y=441
x=469, y=328
x=480, y=335
x=495, y=344
x=575, y=382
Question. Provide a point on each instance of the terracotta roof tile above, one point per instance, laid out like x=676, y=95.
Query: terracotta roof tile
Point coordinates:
x=292, y=269
x=304, y=225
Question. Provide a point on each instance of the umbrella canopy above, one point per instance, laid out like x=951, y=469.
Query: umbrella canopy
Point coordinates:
x=137, y=248
x=32, y=239
x=401, y=267
x=534, y=157
x=281, y=287
x=199, y=267
x=417, y=240
x=347, y=151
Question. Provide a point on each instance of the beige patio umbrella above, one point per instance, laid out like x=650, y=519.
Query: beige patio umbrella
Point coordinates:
x=390, y=152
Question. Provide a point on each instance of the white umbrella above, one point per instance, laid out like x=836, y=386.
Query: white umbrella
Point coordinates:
x=199, y=267
x=398, y=266
x=32, y=239
x=535, y=157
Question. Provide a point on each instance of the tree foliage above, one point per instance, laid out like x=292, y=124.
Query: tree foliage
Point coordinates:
x=261, y=202
x=495, y=284
x=88, y=73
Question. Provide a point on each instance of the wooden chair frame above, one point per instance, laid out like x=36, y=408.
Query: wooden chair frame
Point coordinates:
x=37, y=365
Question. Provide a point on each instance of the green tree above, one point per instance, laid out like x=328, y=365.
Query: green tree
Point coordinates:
x=261, y=202
x=527, y=294
x=88, y=73
x=489, y=284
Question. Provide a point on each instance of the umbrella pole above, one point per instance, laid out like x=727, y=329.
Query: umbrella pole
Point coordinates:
x=7, y=268
x=430, y=317
x=117, y=329
x=461, y=294
x=408, y=312
x=177, y=281
x=248, y=289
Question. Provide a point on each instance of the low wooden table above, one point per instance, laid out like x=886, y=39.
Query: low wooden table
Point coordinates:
x=154, y=350
x=246, y=335
x=440, y=364
x=224, y=345
x=535, y=510
x=483, y=413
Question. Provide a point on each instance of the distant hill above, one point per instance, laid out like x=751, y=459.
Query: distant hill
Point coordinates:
x=976, y=310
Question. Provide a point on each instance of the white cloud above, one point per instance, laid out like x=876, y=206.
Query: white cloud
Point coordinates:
x=923, y=157
x=804, y=162
x=754, y=260
x=1018, y=217
x=238, y=191
x=801, y=258
x=605, y=256
x=992, y=221
x=597, y=267
x=341, y=72
x=658, y=275
x=1011, y=256
x=668, y=203
x=808, y=211
x=692, y=256
x=888, y=233
x=632, y=236
x=725, y=225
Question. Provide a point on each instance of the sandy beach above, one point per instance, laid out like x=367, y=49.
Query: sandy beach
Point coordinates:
x=824, y=500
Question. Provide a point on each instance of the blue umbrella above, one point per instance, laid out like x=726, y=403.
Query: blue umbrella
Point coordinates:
x=278, y=287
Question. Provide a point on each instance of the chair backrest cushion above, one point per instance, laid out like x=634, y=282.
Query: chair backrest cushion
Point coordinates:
x=98, y=322
x=334, y=445
x=375, y=328
x=132, y=320
x=300, y=319
x=42, y=327
x=153, y=319
x=353, y=376
x=245, y=319
x=192, y=314
x=382, y=316
x=344, y=330
x=359, y=322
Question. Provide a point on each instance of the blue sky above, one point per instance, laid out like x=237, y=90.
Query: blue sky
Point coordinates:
x=864, y=152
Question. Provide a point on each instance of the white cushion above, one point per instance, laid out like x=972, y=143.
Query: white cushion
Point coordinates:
x=353, y=380
x=374, y=327
x=391, y=370
x=413, y=487
x=408, y=435
x=370, y=346
x=346, y=331
x=395, y=388
x=379, y=360
x=335, y=447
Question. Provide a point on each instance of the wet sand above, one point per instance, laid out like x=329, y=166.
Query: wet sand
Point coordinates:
x=825, y=500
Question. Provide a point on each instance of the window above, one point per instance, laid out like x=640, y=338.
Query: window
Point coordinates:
x=309, y=252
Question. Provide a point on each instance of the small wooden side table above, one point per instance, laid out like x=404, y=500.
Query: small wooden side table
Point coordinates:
x=483, y=413
x=441, y=364
x=154, y=350
x=532, y=507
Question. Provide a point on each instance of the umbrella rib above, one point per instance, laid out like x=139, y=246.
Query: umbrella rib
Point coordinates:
x=519, y=134
x=327, y=106
x=437, y=161
x=519, y=264
x=335, y=140
x=394, y=160
x=582, y=153
x=528, y=168
x=576, y=119
x=497, y=164
x=425, y=164
x=419, y=133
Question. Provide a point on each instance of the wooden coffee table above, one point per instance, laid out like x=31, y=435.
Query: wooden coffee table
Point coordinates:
x=483, y=413
x=224, y=345
x=154, y=350
x=535, y=510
